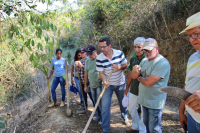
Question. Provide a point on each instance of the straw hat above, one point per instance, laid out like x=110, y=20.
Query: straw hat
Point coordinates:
x=192, y=22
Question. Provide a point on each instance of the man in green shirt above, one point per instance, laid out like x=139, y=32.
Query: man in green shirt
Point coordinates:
x=95, y=82
x=133, y=95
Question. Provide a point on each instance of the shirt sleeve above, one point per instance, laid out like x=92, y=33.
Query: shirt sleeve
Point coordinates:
x=86, y=70
x=52, y=62
x=161, y=69
x=72, y=62
x=99, y=66
x=130, y=66
x=123, y=61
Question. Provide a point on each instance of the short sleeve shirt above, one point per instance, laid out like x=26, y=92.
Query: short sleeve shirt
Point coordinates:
x=93, y=74
x=59, y=66
x=151, y=97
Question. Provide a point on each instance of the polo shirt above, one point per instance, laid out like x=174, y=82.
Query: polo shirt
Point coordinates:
x=104, y=64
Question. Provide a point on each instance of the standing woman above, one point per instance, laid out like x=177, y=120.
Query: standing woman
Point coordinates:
x=74, y=73
x=59, y=68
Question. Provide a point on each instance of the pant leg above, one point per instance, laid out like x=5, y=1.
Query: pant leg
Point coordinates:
x=192, y=125
x=106, y=103
x=78, y=87
x=53, y=88
x=142, y=128
x=155, y=116
x=90, y=95
x=146, y=118
x=62, y=86
x=119, y=91
x=133, y=111
x=85, y=95
x=99, y=108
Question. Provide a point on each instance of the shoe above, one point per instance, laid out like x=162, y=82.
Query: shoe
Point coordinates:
x=62, y=104
x=100, y=123
x=81, y=111
x=127, y=123
x=96, y=118
x=53, y=104
x=130, y=130
x=80, y=103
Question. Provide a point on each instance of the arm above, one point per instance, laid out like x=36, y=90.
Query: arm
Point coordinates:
x=103, y=78
x=194, y=101
x=78, y=63
x=72, y=71
x=128, y=84
x=182, y=116
x=149, y=81
x=119, y=67
x=52, y=70
x=85, y=82
x=136, y=72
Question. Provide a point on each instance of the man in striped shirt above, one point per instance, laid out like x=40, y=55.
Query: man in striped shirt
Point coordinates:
x=111, y=59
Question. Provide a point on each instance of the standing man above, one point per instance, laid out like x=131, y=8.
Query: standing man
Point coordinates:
x=133, y=95
x=95, y=81
x=81, y=66
x=111, y=59
x=192, y=80
x=153, y=74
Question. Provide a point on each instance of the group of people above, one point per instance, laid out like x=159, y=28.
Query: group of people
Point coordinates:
x=148, y=72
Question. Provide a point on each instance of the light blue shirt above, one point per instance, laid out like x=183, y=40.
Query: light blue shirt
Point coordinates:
x=151, y=97
x=59, y=66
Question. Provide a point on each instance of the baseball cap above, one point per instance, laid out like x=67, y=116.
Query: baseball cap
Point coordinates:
x=83, y=49
x=90, y=49
x=150, y=44
x=192, y=22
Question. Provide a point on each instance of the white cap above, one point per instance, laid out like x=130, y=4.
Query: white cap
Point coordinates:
x=125, y=100
x=139, y=40
x=150, y=44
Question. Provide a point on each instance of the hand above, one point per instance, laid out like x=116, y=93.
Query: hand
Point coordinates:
x=49, y=77
x=72, y=81
x=136, y=69
x=86, y=89
x=194, y=101
x=182, y=118
x=77, y=63
x=107, y=84
x=115, y=67
x=126, y=92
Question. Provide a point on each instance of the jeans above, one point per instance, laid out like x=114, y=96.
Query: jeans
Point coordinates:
x=54, y=85
x=95, y=95
x=152, y=119
x=76, y=80
x=85, y=95
x=192, y=125
x=106, y=103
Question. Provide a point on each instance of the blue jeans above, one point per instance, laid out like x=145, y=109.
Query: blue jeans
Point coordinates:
x=192, y=125
x=106, y=103
x=95, y=95
x=85, y=95
x=78, y=87
x=152, y=119
x=54, y=85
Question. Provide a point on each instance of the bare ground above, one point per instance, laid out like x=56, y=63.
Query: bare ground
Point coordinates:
x=55, y=120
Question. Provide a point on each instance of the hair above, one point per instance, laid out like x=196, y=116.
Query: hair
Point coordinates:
x=105, y=39
x=76, y=54
x=58, y=49
x=139, y=40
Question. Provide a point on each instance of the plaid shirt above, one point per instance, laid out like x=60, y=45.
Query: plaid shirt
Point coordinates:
x=81, y=70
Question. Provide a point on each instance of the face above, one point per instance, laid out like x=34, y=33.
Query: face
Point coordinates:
x=59, y=54
x=79, y=56
x=83, y=54
x=138, y=49
x=150, y=54
x=196, y=41
x=93, y=55
x=104, y=47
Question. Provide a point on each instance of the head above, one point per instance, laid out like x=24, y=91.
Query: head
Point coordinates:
x=91, y=52
x=77, y=55
x=58, y=53
x=105, y=45
x=193, y=30
x=138, y=46
x=150, y=48
x=83, y=52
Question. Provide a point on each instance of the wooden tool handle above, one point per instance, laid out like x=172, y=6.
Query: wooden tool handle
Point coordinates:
x=66, y=85
x=89, y=120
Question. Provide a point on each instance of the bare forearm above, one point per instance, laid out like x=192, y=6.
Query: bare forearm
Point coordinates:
x=182, y=107
x=123, y=66
x=129, y=81
x=135, y=75
x=72, y=71
x=85, y=79
x=102, y=77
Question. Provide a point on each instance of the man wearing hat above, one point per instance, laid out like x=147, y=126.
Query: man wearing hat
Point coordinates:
x=192, y=80
x=81, y=66
x=153, y=73
x=93, y=75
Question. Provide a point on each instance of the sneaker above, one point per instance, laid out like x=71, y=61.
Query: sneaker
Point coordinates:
x=62, y=104
x=100, y=123
x=81, y=111
x=53, y=104
x=96, y=118
x=130, y=130
x=127, y=123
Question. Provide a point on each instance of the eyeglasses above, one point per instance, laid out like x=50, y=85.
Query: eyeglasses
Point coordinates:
x=102, y=47
x=194, y=36
x=147, y=51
